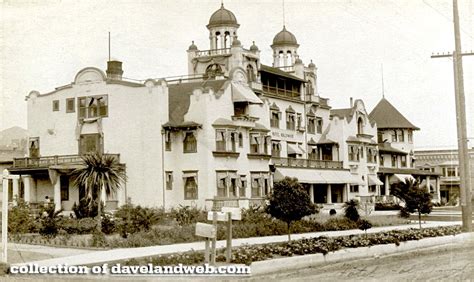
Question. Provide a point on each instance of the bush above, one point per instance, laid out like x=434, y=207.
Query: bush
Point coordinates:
x=132, y=219
x=387, y=206
x=350, y=210
x=20, y=220
x=186, y=215
x=364, y=225
x=98, y=239
x=85, y=208
x=332, y=212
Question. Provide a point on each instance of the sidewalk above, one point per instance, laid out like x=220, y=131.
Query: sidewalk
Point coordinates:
x=99, y=257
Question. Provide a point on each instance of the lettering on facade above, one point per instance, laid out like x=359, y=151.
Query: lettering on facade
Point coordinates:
x=283, y=135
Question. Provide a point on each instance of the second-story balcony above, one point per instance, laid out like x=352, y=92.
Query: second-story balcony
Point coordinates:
x=306, y=163
x=276, y=91
x=48, y=161
x=213, y=52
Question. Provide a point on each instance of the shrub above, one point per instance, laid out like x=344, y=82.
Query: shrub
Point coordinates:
x=85, y=208
x=98, y=239
x=132, y=219
x=108, y=224
x=19, y=218
x=350, y=210
x=49, y=221
x=364, y=225
x=186, y=215
x=390, y=206
x=332, y=212
x=339, y=223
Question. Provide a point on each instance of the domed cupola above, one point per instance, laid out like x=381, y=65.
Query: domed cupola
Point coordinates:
x=285, y=49
x=254, y=48
x=222, y=17
x=222, y=28
x=284, y=38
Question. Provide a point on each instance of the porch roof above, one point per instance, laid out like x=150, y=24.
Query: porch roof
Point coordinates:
x=317, y=176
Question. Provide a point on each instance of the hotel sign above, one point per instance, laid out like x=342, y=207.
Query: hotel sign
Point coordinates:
x=283, y=135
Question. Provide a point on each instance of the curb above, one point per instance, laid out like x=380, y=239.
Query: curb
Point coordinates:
x=298, y=262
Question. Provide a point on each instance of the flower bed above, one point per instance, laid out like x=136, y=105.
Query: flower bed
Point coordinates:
x=251, y=253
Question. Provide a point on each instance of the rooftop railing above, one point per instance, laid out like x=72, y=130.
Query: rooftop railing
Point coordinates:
x=47, y=161
x=307, y=163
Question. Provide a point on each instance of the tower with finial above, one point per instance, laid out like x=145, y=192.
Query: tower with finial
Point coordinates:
x=222, y=28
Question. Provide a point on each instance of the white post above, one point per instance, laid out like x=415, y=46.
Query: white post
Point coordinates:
x=428, y=183
x=311, y=193
x=57, y=194
x=387, y=185
x=15, y=189
x=27, y=185
x=438, y=188
x=5, y=216
x=328, y=195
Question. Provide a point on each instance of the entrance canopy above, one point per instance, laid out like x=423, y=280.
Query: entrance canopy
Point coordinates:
x=312, y=176
x=396, y=178
x=243, y=93
x=374, y=180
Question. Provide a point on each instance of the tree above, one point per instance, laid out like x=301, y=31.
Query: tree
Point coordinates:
x=289, y=202
x=416, y=199
x=99, y=173
x=350, y=210
x=363, y=225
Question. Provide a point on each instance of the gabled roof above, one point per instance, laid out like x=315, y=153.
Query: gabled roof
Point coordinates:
x=343, y=113
x=387, y=116
x=279, y=72
x=179, y=97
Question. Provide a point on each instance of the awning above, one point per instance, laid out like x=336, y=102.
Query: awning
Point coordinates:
x=400, y=178
x=294, y=149
x=242, y=93
x=317, y=176
x=374, y=180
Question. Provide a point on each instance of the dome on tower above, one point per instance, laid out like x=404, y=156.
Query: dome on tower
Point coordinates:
x=254, y=47
x=222, y=17
x=284, y=37
x=312, y=65
x=192, y=47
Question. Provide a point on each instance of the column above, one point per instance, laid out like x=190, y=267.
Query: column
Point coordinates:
x=27, y=185
x=438, y=188
x=328, y=195
x=311, y=193
x=428, y=183
x=387, y=185
x=57, y=194
x=345, y=194
x=16, y=183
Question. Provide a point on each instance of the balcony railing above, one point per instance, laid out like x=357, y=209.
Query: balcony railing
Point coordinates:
x=307, y=163
x=287, y=68
x=280, y=92
x=45, y=162
x=213, y=52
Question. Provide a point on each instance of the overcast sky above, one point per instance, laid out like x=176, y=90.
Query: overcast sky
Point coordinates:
x=45, y=43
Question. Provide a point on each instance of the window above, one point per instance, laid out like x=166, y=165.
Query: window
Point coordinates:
x=70, y=105
x=241, y=140
x=190, y=185
x=34, y=147
x=227, y=184
x=371, y=155
x=381, y=160
x=276, y=149
x=410, y=135
x=168, y=140
x=169, y=180
x=313, y=153
x=360, y=126
x=380, y=137
x=220, y=140
x=243, y=186
x=394, y=136
x=353, y=153
x=254, y=143
x=311, y=125
x=94, y=106
x=275, y=119
x=290, y=121
x=90, y=143
x=403, y=160
x=226, y=140
x=55, y=105
x=372, y=188
x=394, y=161
x=64, y=187
x=233, y=141
x=260, y=184
x=259, y=143
x=250, y=73
x=298, y=122
x=189, y=143
x=354, y=188
x=449, y=172
x=319, y=125
x=401, y=136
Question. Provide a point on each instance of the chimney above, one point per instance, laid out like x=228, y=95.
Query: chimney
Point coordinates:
x=352, y=102
x=114, y=70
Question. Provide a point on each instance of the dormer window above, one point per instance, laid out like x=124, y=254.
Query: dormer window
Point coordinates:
x=189, y=143
x=360, y=126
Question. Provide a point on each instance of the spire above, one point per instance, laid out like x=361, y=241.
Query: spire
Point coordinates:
x=383, y=87
x=283, y=6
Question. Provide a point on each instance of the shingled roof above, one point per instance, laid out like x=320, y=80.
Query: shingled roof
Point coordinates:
x=387, y=116
x=179, y=97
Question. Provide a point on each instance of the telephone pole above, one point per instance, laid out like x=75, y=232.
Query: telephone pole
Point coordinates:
x=463, y=154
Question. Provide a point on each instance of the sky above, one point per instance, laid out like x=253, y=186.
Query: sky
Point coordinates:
x=43, y=44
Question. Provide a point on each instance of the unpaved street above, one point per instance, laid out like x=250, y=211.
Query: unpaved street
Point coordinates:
x=454, y=262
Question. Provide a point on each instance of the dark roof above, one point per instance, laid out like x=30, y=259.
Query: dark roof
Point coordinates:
x=343, y=113
x=178, y=97
x=413, y=171
x=222, y=17
x=277, y=71
x=284, y=38
x=387, y=148
x=387, y=116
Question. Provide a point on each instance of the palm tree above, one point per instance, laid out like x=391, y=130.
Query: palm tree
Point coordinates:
x=99, y=173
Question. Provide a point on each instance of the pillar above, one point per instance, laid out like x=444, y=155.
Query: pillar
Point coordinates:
x=311, y=193
x=387, y=185
x=345, y=194
x=328, y=195
x=57, y=194
x=15, y=195
x=438, y=188
x=27, y=185
x=428, y=183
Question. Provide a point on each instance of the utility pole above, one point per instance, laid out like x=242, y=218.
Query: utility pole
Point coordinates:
x=463, y=153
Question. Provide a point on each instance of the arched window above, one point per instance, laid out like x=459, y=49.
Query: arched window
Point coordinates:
x=250, y=73
x=289, y=58
x=360, y=126
x=227, y=39
x=281, y=58
x=218, y=40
